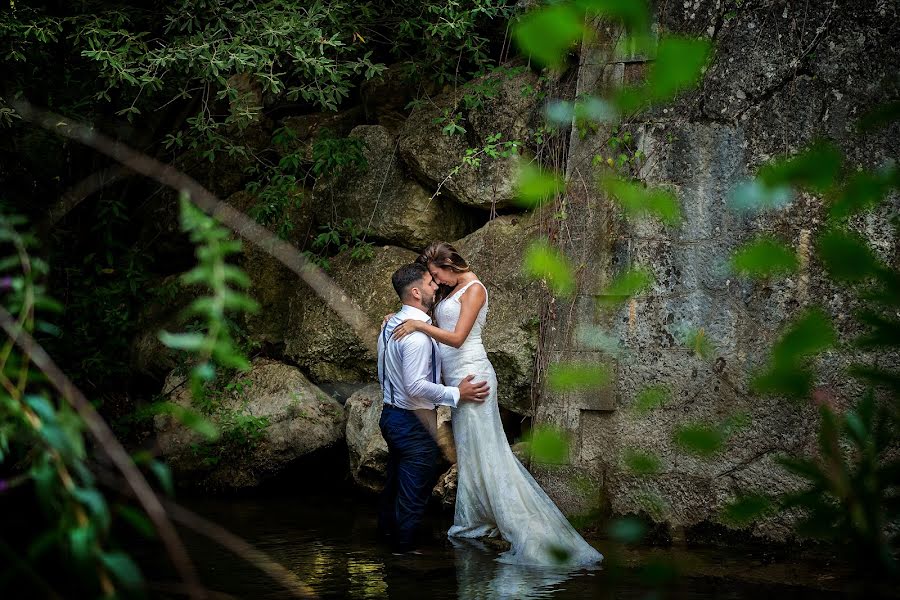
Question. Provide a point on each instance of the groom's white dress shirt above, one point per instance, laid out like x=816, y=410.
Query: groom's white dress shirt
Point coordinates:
x=409, y=369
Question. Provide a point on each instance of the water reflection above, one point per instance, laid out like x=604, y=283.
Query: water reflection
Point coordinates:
x=479, y=575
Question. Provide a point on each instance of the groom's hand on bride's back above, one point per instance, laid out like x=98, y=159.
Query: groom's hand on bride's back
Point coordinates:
x=470, y=391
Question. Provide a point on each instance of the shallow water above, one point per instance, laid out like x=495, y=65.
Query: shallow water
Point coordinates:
x=328, y=542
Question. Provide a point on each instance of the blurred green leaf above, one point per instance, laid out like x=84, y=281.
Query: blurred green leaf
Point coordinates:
x=882, y=331
x=764, y=257
x=548, y=445
x=846, y=256
x=638, y=200
x=641, y=462
x=96, y=505
x=864, y=191
x=164, y=475
x=810, y=334
x=182, y=341
x=626, y=285
x=631, y=13
x=678, y=66
x=123, y=569
x=816, y=169
x=137, y=519
x=881, y=115
x=627, y=530
x=790, y=380
x=699, y=438
x=651, y=397
x=82, y=542
x=548, y=34
x=803, y=467
x=572, y=376
x=545, y=262
x=746, y=509
x=559, y=554
x=698, y=342
x=189, y=418
x=537, y=186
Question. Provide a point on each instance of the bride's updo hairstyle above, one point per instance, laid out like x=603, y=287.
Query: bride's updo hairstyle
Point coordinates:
x=442, y=254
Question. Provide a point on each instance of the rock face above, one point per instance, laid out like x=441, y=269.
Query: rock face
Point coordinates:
x=323, y=345
x=502, y=103
x=385, y=201
x=296, y=419
x=760, y=97
x=495, y=253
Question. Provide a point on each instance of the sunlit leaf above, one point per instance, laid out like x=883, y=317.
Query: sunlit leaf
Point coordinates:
x=678, y=66
x=810, y=334
x=651, y=397
x=764, y=257
x=548, y=445
x=638, y=200
x=815, y=169
x=542, y=261
x=627, y=530
x=699, y=438
x=631, y=13
x=627, y=284
x=697, y=341
x=571, y=376
x=548, y=34
x=82, y=542
x=182, y=341
x=746, y=509
x=641, y=462
x=846, y=256
x=537, y=186
x=598, y=110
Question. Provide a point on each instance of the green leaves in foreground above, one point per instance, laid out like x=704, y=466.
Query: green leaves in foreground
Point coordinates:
x=627, y=284
x=651, y=397
x=846, y=256
x=815, y=169
x=788, y=374
x=699, y=438
x=638, y=201
x=548, y=34
x=571, y=376
x=678, y=66
x=547, y=444
x=542, y=261
x=641, y=462
x=764, y=257
x=744, y=510
x=538, y=186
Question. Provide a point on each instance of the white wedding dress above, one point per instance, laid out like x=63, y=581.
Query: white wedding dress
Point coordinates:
x=495, y=494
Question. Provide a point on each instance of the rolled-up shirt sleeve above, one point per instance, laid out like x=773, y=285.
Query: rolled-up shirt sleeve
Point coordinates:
x=417, y=373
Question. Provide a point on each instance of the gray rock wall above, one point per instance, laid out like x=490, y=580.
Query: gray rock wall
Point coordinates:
x=783, y=73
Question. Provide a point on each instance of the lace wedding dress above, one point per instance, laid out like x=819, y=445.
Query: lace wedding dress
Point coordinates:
x=495, y=494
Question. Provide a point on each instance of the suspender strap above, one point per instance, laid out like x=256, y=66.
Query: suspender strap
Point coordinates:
x=386, y=382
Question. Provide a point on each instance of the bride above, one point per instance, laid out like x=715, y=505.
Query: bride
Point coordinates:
x=495, y=494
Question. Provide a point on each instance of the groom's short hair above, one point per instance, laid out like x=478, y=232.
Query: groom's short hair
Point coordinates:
x=407, y=275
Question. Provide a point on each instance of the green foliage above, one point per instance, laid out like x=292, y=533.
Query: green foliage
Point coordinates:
x=538, y=186
x=547, y=35
x=764, y=257
x=847, y=256
x=638, y=200
x=542, y=261
x=651, y=398
x=701, y=439
x=746, y=509
x=336, y=156
x=640, y=462
x=549, y=445
x=697, y=341
x=625, y=285
x=572, y=376
x=215, y=346
x=332, y=240
x=788, y=374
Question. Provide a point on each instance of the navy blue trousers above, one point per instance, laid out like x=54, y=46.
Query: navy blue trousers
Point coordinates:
x=412, y=470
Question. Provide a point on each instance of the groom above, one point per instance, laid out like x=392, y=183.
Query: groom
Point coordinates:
x=409, y=371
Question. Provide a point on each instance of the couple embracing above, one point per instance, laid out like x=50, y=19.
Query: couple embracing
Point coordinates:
x=423, y=364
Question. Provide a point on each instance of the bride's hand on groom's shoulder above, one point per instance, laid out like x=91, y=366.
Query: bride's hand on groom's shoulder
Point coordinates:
x=387, y=318
x=407, y=327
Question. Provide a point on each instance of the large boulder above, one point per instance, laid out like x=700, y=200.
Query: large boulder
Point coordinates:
x=367, y=448
x=382, y=200
x=505, y=102
x=495, y=254
x=271, y=417
x=303, y=131
x=323, y=345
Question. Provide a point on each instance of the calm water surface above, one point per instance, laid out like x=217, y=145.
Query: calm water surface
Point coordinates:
x=329, y=543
